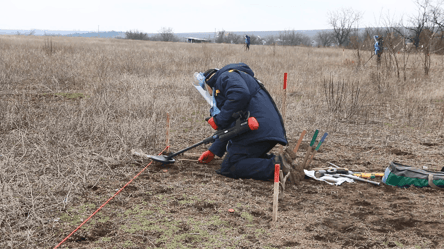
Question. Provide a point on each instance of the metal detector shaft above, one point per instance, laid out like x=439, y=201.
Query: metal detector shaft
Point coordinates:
x=225, y=135
x=205, y=141
x=240, y=127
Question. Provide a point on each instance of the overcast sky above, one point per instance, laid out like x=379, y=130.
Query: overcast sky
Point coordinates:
x=189, y=15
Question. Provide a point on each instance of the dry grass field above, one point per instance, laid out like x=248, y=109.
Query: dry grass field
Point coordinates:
x=71, y=110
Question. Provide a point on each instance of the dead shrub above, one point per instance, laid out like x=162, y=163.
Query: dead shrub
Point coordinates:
x=343, y=98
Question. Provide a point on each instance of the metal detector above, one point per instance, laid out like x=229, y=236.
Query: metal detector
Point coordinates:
x=241, y=126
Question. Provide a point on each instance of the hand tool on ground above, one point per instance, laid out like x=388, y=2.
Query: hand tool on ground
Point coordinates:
x=359, y=179
x=330, y=171
x=368, y=175
x=241, y=126
x=317, y=148
x=310, y=149
x=343, y=172
x=362, y=174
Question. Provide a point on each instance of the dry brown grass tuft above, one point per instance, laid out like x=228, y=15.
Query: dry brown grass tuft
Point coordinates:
x=71, y=109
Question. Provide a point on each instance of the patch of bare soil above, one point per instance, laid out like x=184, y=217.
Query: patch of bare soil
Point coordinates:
x=186, y=205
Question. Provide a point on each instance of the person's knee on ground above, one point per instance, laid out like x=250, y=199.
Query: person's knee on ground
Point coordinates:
x=248, y=161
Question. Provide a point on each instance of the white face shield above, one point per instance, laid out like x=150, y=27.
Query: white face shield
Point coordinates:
x=199, y=84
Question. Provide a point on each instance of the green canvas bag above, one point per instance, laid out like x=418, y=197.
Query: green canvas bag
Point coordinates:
x=404, y=176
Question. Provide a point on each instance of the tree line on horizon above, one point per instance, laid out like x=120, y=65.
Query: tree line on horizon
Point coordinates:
x=425, y=25
x=287, y=37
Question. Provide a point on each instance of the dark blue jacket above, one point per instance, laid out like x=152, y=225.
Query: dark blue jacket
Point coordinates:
x=237, y=90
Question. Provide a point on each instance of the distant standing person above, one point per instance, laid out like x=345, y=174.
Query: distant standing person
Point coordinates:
x=247, y=42
x=378, y=48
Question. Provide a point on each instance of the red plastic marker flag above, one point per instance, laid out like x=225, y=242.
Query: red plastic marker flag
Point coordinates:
x=276, y=172
x=285, y=80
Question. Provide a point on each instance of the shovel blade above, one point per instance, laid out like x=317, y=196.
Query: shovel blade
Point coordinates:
x=162, y=159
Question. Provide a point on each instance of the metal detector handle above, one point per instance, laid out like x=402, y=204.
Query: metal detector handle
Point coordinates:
x=236, y=115
x=240, y=127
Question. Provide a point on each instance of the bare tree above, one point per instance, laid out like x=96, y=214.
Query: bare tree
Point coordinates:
x=343, y=23
x=227, y=37
x=270, y=40
x=167, y=34
x=220, y=38
x=418, y=22
x=136, y=35
x=424, y=28
x=436, y=16
x=293, y=38
x=233, y=38
x=324, y=38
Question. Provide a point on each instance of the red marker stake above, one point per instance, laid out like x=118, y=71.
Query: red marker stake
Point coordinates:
x=276, y=192
x=285, y=81
x=284, y=98
x=284, y=106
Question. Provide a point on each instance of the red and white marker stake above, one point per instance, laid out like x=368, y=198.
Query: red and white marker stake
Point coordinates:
x=276, y=192
x=284, y=99
x=284, y=106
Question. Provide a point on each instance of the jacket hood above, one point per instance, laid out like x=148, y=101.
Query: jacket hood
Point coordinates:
x=238, y=66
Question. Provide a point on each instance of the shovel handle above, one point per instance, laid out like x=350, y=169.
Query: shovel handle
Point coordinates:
x=299, y=141
x=313, y=140
x=307, y=155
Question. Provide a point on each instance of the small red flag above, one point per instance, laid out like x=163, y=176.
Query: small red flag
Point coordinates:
x=285, y=80
x=276, y=172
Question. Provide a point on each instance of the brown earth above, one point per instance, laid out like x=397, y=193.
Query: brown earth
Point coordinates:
x=71, y=110
x=182, y=197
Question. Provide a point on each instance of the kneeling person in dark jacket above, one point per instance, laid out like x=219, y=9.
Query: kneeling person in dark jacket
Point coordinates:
x=236, y=90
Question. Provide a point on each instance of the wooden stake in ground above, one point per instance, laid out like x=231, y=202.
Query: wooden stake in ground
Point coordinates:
x=168, y=133
x=299, y=141
x=276, y=192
